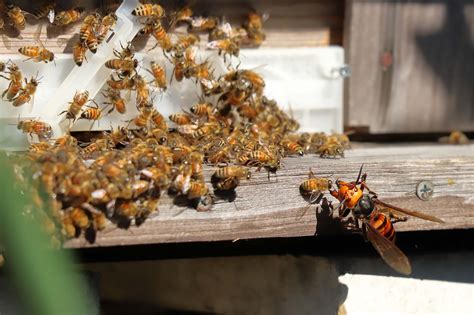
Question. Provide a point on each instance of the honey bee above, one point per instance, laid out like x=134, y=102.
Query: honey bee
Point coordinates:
x=254, y=28
x=331, y=150
x=92, y=113
x=13, y=89
x=79, y=218
x=125, y=83
x=232, y=171
x=125, y=67
x=159, y=120
x=162, y=37
x=64, y=18
x=26, y=93
x=39, y=128
x=292, y=147
x=201, y=71
x=79, y=100
x=261, y=158
x=17, y=17
x=201, y=109
x=37, y=53
x=205, y=129
x=313, y=189
x=45, y=11
x=88, y=26
x=197, y=189
x=159, y=75
x=455, y=137
x=144, y=117
x=227, y=184
x=180, y=118
x=147, y=207
x=203, y=24
x=227, y=46
x=79, y=53
x=182, y=15
x=116, y=100
x=185, y=42
x=105, y=26
x=149, y=10
x=66, y=140
x=143, y=92
x=373, y=216
x=96, y=146
x=126, y=208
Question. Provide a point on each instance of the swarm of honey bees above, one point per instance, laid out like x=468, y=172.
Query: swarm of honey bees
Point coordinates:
x=119, y=175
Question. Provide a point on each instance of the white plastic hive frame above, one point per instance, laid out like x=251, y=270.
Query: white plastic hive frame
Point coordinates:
x=302, y=79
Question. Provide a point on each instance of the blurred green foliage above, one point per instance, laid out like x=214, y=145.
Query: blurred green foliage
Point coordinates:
x=46, y=278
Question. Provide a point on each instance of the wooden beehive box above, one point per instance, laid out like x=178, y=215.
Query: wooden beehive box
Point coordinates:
x=381, y=98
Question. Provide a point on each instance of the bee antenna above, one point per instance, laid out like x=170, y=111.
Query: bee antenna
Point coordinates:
x=360, y=172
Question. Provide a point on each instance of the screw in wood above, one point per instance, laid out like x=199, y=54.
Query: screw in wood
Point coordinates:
x=424, y=190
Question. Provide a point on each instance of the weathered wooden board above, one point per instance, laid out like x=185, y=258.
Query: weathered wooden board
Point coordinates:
x=290, y=24
x=266, y=208
x=426, y=86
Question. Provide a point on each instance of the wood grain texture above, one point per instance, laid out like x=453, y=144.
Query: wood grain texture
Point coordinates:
x=271, y=208
x=290, y=24
x=428, y=88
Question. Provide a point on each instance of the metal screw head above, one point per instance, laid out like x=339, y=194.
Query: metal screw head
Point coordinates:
x=345, y=71
x=424, y=190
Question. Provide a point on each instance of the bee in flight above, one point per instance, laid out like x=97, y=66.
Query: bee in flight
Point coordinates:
x=374, y=218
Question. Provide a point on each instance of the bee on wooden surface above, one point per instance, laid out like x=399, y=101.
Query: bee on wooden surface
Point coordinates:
x=146, y=209
x=125, y=83
x=313, y=189
x=227, y=184
x=39, y=128
x=126, y=208
x=64, y=18
x=37, y=53
x=79, y=100
x=115, y=100
x=159, y=75
x=331, y=150
x=374, y=219
x=292, y=147
x=232, y=171
x=261, y=159
x=125, y=67
x=26, y=93
x=79, y=53
x=455, y=137
x=105, y=26
x=197, y=189
x=17, y=17
x=149, y=10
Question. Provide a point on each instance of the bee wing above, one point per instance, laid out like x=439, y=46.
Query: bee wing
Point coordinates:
x=389, y=252
x=409, y=212
x=214, y=44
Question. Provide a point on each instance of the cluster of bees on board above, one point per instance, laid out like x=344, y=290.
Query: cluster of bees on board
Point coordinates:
x=119, y=175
